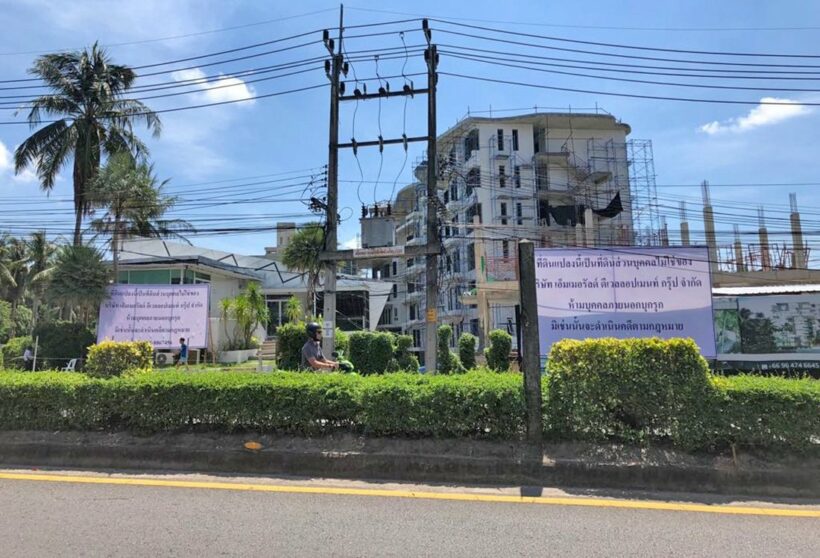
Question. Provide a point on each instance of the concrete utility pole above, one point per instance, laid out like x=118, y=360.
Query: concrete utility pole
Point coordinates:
x=331, y=254
x=431, y=277
x=329, y=306
x=531, y=359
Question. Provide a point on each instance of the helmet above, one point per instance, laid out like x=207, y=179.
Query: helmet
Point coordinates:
x=312, y=328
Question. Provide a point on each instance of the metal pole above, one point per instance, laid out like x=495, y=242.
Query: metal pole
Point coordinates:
x=432, y=217
x=329, y=305
x=531, y=359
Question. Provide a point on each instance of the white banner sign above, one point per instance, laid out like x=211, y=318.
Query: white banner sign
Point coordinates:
x=624, y=292
x=160, y=314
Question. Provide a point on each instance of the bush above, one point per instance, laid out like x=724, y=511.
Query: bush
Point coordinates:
x=759, y=412
x=406, y=361
x=448, y=362
x=410, y=405
x=13, y=351
x=113, y=358
x=498, y=353
x=630, y=390
x=290, y=339
x=359, y=354
x=22, y=322
x=466, y=350
x=382, y=348
x=61, y=341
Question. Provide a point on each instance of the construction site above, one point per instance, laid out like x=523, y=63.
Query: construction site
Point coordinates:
x=559, y=179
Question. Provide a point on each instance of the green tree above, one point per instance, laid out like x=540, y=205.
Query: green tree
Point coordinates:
x=92, y=118
x=79, y=280
x=134, y=203
x=26, y=266
x=302, y=255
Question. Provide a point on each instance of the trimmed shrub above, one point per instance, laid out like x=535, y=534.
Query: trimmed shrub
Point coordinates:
x=382, y=348
x=631, y=390
x=359, y=354
x=113, y=358
x=448, y=362
x=410, y=405
x=466, y=350
x=758, y=413
x=406, y=361
x=13, y=352
x=498, y=353
x=61, y=341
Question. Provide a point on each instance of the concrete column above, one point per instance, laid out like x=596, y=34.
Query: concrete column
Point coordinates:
x=765, y=253
x=799, y=260
x=589, y=228
x=709, y=228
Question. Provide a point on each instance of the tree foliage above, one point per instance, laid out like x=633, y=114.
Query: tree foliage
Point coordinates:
x=302, y=255
x=92, y=117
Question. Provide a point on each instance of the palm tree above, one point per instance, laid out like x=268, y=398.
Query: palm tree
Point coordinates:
x=92, y=119
x=134, y=203
x=79, y=279
x=25, y=269
x=302, y=255
x=41, y=260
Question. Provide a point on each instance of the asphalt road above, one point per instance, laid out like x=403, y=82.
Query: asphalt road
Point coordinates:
x=264, y=517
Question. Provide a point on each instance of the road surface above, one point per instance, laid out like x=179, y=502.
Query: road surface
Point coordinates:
x=47, y=513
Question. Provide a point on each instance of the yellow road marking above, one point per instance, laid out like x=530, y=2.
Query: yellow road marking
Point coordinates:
x=420, y=495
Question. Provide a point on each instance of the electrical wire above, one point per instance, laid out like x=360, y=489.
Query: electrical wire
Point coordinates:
x=628, y=95
x=496, y=61
x=623, y=46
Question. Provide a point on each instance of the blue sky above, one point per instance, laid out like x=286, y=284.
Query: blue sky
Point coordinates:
x=725, y=144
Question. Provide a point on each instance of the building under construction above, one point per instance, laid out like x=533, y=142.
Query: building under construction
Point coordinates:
x=559, y=179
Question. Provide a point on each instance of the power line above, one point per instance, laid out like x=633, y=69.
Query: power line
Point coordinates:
x=496, y=61
x=623, y=46
x=628, y=95
x=627, y=56
x=602, y=27
x=190, y=107
x=605, y=66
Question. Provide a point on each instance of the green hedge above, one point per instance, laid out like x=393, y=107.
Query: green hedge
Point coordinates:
x=633, y=390
x=637, y=391
x=760, y=412
x=473, y=405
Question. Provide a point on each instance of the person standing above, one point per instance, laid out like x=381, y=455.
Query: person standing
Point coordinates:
x=28, y=358
x=183, y=352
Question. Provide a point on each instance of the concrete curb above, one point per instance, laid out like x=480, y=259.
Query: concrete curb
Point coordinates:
x=459, y=461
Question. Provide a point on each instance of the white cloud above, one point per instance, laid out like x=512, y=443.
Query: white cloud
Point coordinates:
x=350, y=244
x=5, y=158
x=216, y=90
x=28, y=176
x=761, y=115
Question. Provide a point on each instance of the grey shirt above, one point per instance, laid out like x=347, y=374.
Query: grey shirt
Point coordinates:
x=311, y=349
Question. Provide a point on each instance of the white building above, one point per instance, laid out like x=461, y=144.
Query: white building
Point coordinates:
x=150, y=261
x=558, y=179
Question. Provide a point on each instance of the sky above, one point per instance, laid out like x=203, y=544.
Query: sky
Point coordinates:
x=267, y=150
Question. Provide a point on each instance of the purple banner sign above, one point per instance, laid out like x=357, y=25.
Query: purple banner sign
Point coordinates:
x=624, y=292
x=160, y=314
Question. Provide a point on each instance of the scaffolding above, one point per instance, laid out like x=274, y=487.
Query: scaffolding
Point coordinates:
x=643, y=193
